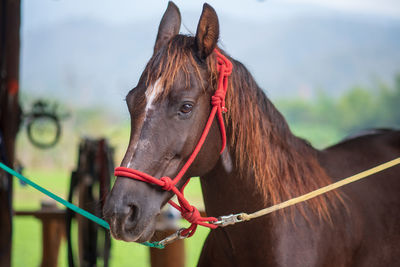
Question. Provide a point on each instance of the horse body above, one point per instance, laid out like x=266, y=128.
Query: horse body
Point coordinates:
x=262, y=165
x=365, y=232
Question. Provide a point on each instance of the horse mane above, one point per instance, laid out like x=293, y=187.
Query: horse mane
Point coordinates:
x=282, y=165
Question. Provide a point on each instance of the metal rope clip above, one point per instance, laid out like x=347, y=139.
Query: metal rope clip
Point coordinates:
x=229, y=220
x=172, y=238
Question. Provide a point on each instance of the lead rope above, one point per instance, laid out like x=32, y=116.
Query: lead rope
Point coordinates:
x=222, y=220
x=241, y=217
x=189, y=212
x=246, y=217
x=67, y=204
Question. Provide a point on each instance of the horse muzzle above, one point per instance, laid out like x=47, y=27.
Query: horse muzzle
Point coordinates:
x=128, y=211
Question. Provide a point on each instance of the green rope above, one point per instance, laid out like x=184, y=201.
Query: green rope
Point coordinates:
x=71, y=206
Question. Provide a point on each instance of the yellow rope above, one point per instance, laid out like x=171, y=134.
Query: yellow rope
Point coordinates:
x=320, y=191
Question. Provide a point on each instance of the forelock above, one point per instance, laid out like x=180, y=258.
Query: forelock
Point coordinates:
x=176, y=57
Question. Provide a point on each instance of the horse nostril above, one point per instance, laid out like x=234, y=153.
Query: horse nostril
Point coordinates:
x=132, y=216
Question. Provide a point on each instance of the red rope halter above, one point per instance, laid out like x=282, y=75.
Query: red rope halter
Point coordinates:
x=189, y=212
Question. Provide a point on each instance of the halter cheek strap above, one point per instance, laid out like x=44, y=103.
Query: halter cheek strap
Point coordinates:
x=189, y=212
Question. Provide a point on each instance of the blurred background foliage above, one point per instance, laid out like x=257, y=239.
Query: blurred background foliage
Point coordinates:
x=325, y=120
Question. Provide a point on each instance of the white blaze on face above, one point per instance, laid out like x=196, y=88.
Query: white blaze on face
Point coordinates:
x=151, y=95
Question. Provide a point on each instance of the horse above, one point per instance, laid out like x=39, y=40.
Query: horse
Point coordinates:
x=263, y=164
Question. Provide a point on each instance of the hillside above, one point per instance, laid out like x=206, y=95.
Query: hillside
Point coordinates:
x=86, y=62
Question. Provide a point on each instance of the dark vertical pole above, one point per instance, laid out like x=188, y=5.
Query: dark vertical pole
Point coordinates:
x=9, y=114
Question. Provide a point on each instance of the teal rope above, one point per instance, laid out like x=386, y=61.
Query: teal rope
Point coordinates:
x=71, y=206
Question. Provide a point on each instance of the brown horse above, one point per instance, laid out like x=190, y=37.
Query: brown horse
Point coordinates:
x=264, y=164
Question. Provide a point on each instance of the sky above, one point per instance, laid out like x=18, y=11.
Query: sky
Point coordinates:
x=39, y=13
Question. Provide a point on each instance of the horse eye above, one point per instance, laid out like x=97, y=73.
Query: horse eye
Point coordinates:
x=186, y=108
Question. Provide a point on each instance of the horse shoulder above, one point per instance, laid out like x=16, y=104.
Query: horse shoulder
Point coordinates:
x=314, y=242
x=373, y=202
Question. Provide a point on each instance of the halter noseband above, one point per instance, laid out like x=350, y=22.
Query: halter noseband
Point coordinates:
x=189, y=212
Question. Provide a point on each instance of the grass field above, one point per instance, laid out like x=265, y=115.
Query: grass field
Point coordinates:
x=27, y=230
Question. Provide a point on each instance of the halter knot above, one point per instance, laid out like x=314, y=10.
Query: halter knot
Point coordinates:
x=218, y=99
x=168, y=184
x=224, y=67
x=192, y=216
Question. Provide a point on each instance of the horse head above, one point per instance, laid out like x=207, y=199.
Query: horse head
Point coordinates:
x=169, y=108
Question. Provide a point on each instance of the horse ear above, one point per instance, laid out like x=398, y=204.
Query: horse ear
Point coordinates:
x=207, y=32
x=169, y=26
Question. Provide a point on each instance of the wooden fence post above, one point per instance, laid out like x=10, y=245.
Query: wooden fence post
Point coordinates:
x=52, y=231
x=173, y=255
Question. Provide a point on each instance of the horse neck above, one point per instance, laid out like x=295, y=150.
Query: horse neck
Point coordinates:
x=230, y=189
x=226, y=192
x=264, y=163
